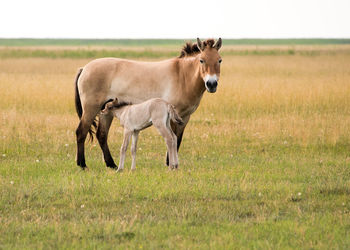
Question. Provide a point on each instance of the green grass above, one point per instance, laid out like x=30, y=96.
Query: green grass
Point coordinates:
x=230, y=194
x=161, y=42
x=161, y=48
x=85, y=53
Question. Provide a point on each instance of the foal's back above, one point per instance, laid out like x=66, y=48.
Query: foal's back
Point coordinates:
x=142, y=115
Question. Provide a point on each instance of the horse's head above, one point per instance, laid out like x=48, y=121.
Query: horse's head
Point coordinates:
x=210, y=61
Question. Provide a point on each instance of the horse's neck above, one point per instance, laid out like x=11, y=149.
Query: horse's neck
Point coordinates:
x=192, y=83
x=189, y=71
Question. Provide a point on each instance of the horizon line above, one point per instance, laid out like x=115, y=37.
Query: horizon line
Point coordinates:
x=145, y=38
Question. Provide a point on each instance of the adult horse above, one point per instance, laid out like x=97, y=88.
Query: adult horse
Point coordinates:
x=180, y=81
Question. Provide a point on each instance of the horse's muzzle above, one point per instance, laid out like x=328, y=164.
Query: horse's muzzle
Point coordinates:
x=211, y=86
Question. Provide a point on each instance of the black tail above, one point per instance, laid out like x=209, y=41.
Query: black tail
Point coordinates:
x=78, y=106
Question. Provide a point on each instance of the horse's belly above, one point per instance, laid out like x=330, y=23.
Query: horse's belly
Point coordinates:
x=138, y=91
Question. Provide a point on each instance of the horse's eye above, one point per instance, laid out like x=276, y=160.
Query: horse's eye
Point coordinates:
x=201, y=61
x=220, y=60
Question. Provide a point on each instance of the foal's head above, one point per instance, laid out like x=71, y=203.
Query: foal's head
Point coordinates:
x=210, y=61
x=113, y=105
x=109, y=106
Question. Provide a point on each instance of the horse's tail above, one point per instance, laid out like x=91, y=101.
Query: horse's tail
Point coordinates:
x=78, y=106
x=174, y=116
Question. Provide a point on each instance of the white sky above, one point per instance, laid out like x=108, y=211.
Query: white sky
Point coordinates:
x=175, y=19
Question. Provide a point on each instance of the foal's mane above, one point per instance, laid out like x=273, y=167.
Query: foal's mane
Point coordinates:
x=191, y=49
x=116, y=106
x=121, y=104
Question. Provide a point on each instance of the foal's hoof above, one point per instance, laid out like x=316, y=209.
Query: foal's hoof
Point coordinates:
x=85, y=169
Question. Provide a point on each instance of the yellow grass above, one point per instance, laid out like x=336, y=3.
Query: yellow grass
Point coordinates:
x=304, y=98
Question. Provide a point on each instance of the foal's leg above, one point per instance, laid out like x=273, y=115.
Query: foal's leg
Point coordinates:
x=124, y=147
x=174, y=144
x=169, y=139
x=81, y=133
x=179, y=131
x=102, y=135
x=175, y=156
x=135, y=136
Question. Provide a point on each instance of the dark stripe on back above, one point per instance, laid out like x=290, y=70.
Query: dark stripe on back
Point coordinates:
x=121, y=104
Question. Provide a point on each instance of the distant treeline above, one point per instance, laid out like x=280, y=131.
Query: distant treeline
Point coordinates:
x=161, y=42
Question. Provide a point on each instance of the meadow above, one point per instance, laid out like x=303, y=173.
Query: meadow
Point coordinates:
x=264, y=164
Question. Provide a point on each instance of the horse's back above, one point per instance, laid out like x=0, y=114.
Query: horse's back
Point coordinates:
x=132, y=81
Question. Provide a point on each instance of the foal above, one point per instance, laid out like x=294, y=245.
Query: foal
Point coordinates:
x=137, y=117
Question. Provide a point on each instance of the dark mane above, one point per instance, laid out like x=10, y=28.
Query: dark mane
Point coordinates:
x=116, y=106
x=121, y=104
x=191, y=49
x=209, y=43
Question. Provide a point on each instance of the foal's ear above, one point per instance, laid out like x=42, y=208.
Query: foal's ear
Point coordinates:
x=218, y=44
x=115, y=102
x=109, y=105
x=200, y=45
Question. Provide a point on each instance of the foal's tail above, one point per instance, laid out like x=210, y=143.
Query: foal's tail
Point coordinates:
x=78, y=106
x=174, y=116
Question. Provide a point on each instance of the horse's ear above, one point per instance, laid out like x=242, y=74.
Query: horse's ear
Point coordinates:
x=218, y=44
x=200, y=44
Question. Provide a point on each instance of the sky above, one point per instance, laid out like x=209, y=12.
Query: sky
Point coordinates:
x=175, y=19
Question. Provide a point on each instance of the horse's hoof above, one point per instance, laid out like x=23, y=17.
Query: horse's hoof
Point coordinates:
x=112, y=166
x=119, y=170
x=85, y=168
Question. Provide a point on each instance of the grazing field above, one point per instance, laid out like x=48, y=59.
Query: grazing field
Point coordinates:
x=264, y=164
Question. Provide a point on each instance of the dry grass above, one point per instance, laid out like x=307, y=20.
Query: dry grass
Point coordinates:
x=306, y=98
x=277, y=126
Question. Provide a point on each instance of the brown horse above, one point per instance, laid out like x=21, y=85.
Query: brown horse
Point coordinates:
x=180, y=81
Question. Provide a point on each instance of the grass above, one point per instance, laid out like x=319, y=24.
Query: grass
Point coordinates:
x=153, y=52
x=264, y=162
x=162, y=42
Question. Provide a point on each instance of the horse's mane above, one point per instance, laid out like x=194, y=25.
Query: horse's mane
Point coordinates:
x=191, y=49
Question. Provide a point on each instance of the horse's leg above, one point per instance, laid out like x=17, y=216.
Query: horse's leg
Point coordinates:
x=179, y=131
x=81, y=133
x=102, y=135
x=124, y=147
x=135, y=136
